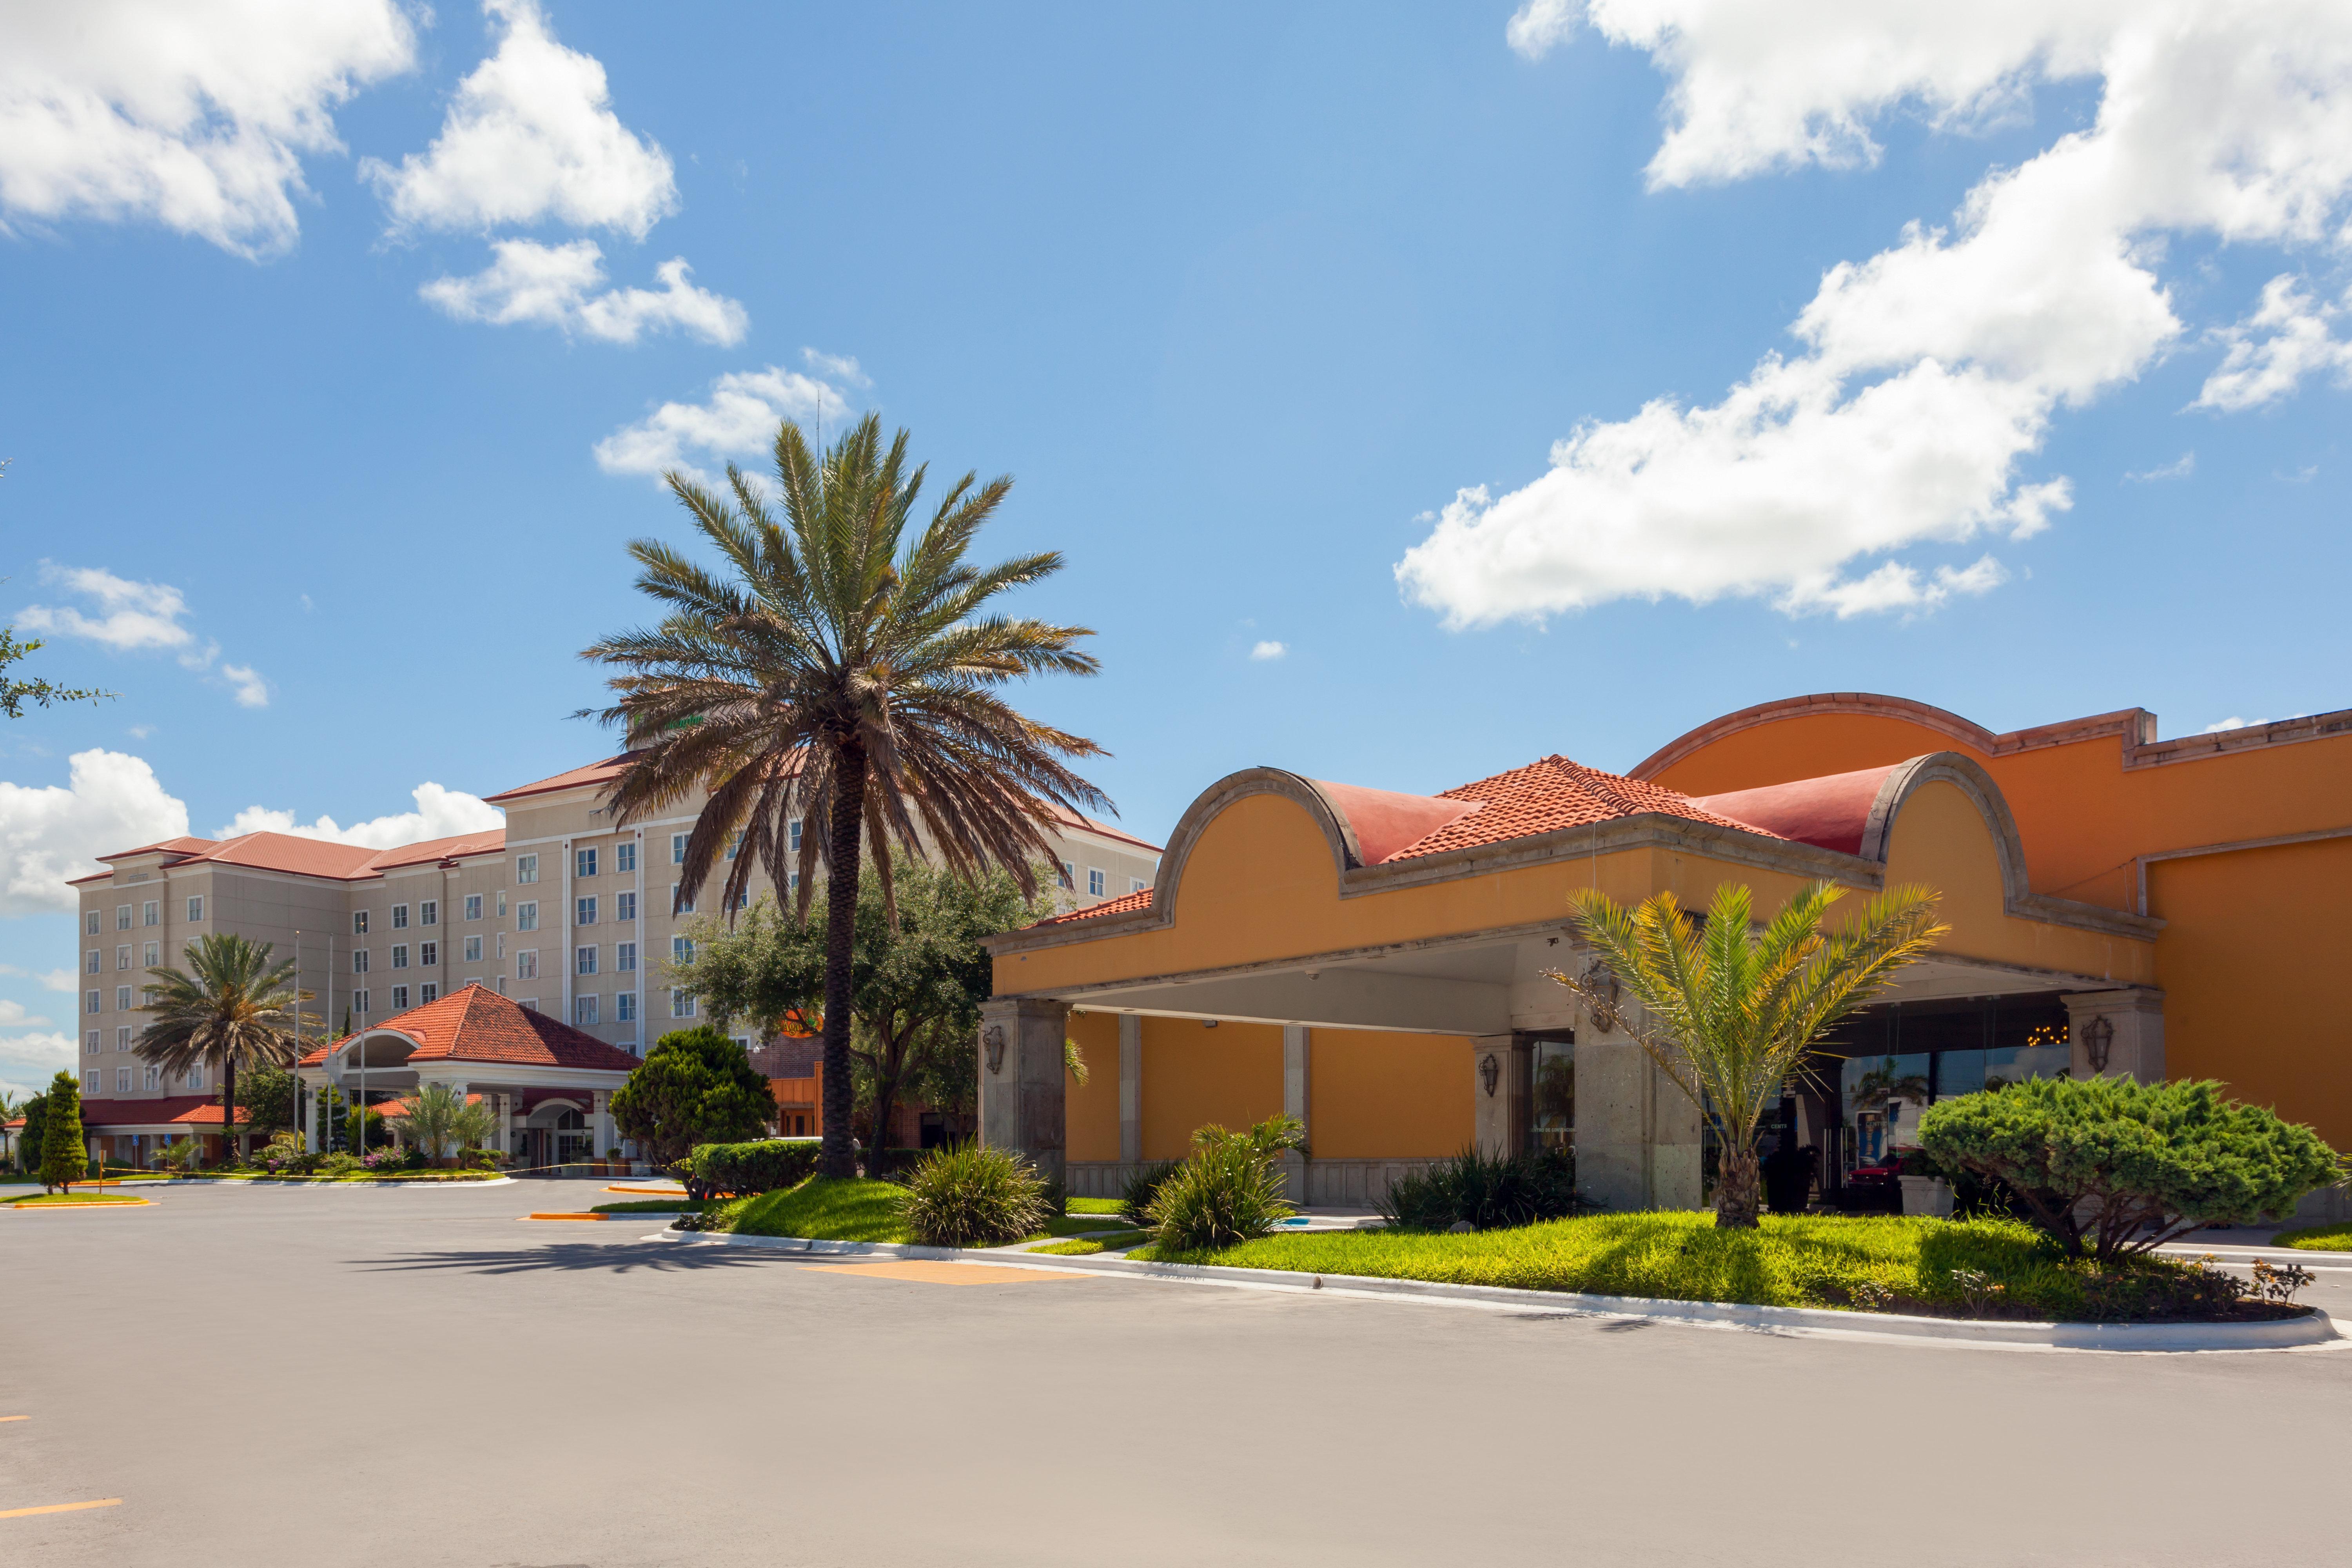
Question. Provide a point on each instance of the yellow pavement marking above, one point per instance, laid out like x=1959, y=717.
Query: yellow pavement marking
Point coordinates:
x=60, y=1508
x=566, y=1216
x=929, y=1272
x=26, y=1205
x=15, y=1418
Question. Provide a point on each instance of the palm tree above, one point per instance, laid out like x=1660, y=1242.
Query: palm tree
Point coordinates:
x=837, y=671
x=438, y=1118
x=1731, y=1009
x=233, y=1007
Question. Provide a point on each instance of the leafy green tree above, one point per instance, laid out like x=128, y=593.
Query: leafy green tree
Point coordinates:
x=65, y=1150
x=916, y=983
x=232, y=1008
x=268, y=1093
x=33, y=1109
x=1732, y=1010
x=695, y=1086
x=838, y=672
x=438, y=1120
x=2126, y=1166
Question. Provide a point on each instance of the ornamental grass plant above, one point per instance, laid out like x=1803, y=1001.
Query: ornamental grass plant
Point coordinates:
x=970, y=1196
x=1227, y=1193
x=1485, y=1192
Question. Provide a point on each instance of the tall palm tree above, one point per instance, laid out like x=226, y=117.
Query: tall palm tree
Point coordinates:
x=1732, y=1010
x=438, y=1120
x=232, y=1008
x=838, y=671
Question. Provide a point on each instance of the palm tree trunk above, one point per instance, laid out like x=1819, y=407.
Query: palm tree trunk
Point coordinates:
x=834, y=1156
x=890, y=1066
x=228, y=1105
x=1736, y=1197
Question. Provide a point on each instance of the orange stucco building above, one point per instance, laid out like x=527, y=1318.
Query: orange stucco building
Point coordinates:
x=1378, y=964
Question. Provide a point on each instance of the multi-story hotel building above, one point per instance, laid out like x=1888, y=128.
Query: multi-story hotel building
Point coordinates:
x=563, y=911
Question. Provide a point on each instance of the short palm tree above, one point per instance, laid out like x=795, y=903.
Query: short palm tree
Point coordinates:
x=231, y=1008
x=437, y=1119
x=836, y=671
x=1732, y=1010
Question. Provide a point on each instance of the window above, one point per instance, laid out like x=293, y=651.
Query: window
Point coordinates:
x=151, y=1077
x=429, y=992
x=625, y=957
x=95, y=962
x=122, y=998
x=529, y=1003
x=400, y=917
x=400, y=998
x=679, y=903
x=473, y=950
x=1096, y=883
x=93, y=1002
x=150, y=913
x=583, y=960
x=90, y=1081
x=681, y=951
x=527, y=915
x=196, y=1078
x=502, y=903
x=358, y=961
x=359, y=1000
x=501, y=982
x=625, y=1007
x=681, y=1004
x=502, y=945
x=123, y=1081
x=734, y=843
x=583, y=862
x=583, y=1010
x=428, y=913
x=526, y=964
x=624, y=859
x=122, y=916
x=428, y=955
x=359, y=922
x=89, y=922
x=197, y=908
x=793, y=834
x=400, y=955
x=677, y=849
x=473, y=905
x=89, y=1041
x=1137, y=884
x=122, y=1038
x=625, y=906
x=583, y=912
x=526, y=869
x=155, y=954
x=122, y=956
x=1070, y=876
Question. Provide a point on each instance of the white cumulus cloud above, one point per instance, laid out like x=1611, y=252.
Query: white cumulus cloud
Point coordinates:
x=2283, y=338
x=110, y=801
x=132, y=617
x=2180, y=468
x=29, y=1061
x=739, y=418
x=195, y=117
x=530, y=135
x=54, y=979
x=1927, y=375
x=1270, y=650
x=563, y=286
x=440, y=813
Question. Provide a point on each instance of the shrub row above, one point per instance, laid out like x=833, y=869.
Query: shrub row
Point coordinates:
x=1485, y=1192
x=745, y=1169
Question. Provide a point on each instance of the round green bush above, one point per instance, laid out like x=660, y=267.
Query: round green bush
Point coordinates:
x=967, y=1195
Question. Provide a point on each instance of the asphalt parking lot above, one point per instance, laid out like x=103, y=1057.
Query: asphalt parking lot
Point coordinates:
x=272, y=1376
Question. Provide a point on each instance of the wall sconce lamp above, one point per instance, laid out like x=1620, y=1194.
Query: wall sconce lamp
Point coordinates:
x=2098, y=1038
x=994, y=1038
x=1490, y=1072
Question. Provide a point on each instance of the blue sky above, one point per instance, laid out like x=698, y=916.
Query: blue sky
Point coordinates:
x=1245, y=297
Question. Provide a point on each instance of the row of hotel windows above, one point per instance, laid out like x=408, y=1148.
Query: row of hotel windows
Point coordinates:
x=152, y=1077
x=149, y=957
x=1098, y=880
x=150, y=913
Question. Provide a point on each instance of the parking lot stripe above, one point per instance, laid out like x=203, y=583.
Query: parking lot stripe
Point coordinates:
x=60, y=1508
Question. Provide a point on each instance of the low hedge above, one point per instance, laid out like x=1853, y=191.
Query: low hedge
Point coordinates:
x=746, y=1170
x=2336, y=1238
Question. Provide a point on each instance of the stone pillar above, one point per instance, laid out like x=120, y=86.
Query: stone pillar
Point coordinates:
x=1021, y=1074
x=1637, y=1133
x=308, y=1114
x=600, y=1125
x=2131, y=1019
x=1296, y=1060
x=1500, y=1083
x=1130, y=1088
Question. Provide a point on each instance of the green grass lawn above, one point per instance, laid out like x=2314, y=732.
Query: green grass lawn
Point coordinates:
x=1110, y=1243
x=821, y=1208
x=2316, y=1237
x=1872, y=1263
x=52, y=1200
x=1091, y=1206
x=652, y=1205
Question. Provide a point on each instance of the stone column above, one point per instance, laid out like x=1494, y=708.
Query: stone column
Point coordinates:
x=600, y=1125
x=1130, y=1088
x=1500, y=1066
x=2131, y=1019
x=308, y=1114
x=1021, y=1101
x=1296, y=1060
x=1637, y=1133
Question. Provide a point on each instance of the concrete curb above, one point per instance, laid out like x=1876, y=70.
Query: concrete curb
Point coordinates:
x=2286, y=1333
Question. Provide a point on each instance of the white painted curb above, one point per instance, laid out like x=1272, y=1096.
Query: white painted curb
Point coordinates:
x=2283, y=1333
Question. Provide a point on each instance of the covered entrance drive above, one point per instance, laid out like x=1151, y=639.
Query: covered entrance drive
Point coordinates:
x=1375, y=965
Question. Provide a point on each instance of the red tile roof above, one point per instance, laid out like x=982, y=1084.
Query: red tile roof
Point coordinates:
x=593, y=773
x=1833, y=811
x=493, y=842
x=302, y=856
x=188, y=1109
x=1125, y=903
x=393, y=1108
x=475, y=1023
x=183, y=845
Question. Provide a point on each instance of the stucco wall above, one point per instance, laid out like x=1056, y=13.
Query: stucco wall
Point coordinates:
x=1375, y=1095
x=1231, y=1074
x=1091, y=1113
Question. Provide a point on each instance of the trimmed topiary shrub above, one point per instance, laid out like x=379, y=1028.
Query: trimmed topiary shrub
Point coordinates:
x=1135, y=1202
x=967, y=1195
x=2113, y=1167
x=746, y=1170
x=64, y=1158
x=1227, y=1193
x=1485, y=1192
